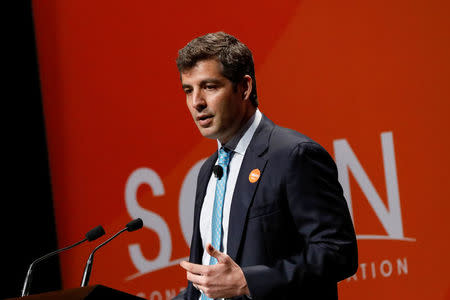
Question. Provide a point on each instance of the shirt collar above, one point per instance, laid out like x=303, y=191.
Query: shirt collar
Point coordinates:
x=240, y=141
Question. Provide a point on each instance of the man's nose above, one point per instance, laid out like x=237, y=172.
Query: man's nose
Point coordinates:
x=198, y=100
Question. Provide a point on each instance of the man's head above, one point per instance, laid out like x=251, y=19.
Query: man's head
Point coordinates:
x=217, y=75
x=235, y=57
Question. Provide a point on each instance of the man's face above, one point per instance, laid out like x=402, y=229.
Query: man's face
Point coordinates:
x=217, y=108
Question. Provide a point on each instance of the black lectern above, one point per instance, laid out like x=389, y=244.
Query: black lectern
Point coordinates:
x=94, y=292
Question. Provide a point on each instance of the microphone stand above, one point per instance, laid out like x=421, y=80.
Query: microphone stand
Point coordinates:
x=88, y=268
x=28, y=278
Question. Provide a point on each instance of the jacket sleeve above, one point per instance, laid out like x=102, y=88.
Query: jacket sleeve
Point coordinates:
x=315, y=201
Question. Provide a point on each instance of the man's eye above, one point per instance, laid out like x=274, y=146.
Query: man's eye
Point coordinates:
x=187, y=91
x=210, y=87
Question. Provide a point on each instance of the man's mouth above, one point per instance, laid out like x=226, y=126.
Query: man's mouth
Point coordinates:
x=204, y=120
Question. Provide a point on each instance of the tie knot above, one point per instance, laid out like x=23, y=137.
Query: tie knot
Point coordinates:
x=224, y=157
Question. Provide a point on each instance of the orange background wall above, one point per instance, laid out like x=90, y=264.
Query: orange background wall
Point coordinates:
x=333, y=70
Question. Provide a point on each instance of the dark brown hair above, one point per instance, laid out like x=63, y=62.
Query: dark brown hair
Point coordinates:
x=235, y=57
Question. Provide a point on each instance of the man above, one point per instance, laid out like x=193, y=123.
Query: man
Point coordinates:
x=270, y=219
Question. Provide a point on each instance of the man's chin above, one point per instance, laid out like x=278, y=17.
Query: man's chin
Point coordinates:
x=208, y=133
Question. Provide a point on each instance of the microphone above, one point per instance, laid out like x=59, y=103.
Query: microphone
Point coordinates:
x=93, y=234
x=132, y=226
x=218, y=171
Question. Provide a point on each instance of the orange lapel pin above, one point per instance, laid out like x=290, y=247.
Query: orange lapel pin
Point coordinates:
x=254, y=175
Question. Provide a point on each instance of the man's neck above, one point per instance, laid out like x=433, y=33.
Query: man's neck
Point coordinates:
x=234, y=140
x=250, y=112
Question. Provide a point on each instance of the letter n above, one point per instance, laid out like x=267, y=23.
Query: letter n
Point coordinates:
x=346, y=160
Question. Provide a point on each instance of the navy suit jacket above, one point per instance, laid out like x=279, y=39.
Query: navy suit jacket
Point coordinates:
x=290, y=231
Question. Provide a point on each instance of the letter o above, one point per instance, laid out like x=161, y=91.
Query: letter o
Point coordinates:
x=389, y=269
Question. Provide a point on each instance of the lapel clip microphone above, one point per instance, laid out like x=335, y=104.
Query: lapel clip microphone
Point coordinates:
x=218, y=171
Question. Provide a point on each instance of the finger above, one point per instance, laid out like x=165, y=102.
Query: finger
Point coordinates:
x=221, y=257
x=197, y=280
x=193, y=268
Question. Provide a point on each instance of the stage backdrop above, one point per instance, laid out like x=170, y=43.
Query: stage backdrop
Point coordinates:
x=369, y=80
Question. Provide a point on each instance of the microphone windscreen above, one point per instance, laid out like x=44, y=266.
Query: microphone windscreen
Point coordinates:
x=135, y=224
x=218, y=171
x=95, y=233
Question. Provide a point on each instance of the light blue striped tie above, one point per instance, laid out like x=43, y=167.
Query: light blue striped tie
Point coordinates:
x=221, y=185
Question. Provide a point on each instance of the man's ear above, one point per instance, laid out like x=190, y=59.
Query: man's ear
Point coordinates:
x=246, y=87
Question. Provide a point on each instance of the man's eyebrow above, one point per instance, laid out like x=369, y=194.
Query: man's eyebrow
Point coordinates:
x=210, y=80
x=203, y=82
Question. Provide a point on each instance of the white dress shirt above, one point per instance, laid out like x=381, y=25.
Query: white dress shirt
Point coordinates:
x=238, y=144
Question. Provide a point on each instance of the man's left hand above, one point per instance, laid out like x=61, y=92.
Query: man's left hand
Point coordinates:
x=222, y=280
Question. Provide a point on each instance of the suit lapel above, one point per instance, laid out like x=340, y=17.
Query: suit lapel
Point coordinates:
x=203, y=179
x=244, y=190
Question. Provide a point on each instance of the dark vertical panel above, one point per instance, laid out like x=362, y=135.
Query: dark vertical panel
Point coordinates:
x=27, y=221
